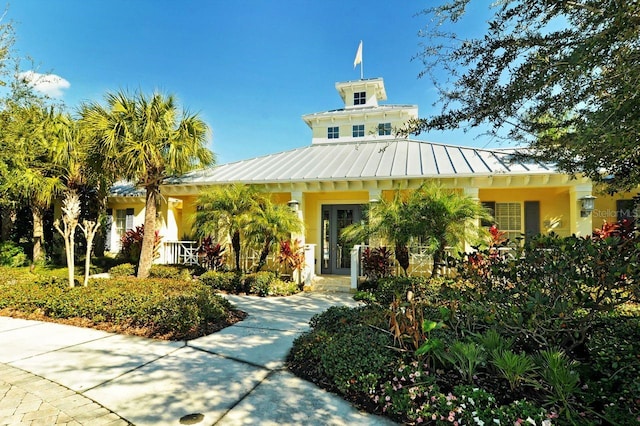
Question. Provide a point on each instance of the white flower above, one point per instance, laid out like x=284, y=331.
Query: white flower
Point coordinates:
x=478, y=421
x=496, y=421
x=531, y=421
x=546, y=422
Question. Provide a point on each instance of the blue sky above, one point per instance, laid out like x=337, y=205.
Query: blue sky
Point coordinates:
x=250, y=68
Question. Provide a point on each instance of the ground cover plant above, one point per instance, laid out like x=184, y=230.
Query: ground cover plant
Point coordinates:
x=549, y=334
x=174, y=309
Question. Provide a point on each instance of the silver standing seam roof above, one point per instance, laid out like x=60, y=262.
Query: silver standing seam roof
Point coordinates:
x=379, y=160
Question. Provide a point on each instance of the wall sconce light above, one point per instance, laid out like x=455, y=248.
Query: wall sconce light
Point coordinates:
x=587, y=205
x=294, y=205
x=374, y=201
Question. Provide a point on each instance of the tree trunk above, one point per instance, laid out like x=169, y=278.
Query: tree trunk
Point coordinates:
x=264, y=253
x=90, y=228
x=8, y=219
x=148, y=240
x=402, y=256
x=235, y=243
x=38, y=235
x=438, y=257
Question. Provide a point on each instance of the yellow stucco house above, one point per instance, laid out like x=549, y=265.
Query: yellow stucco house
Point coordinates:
x=354, y=157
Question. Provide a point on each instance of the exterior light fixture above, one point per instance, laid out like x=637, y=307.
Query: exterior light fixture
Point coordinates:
x=374, y=201
x=587, y=205
x=294, y=205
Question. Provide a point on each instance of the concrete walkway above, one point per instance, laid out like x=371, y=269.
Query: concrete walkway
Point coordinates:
x=58, y=374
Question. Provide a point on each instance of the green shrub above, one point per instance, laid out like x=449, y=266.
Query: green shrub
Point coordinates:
x=225, y=281
x=343, y=350
x=12, y=255
x=122, y=270
x=357, y=358
x=176, y=272
x=277, y=287
x=259, y=283
x=156, y=308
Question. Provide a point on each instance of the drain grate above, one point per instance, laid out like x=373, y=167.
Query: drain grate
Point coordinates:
x=191, y=419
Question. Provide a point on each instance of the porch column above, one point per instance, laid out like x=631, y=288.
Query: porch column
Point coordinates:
x=472, y=193
x=581, y=224
x=297, y=203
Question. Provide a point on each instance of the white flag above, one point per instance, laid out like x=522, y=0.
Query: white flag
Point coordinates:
x=358, y=59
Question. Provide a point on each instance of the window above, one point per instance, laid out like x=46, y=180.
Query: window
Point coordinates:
x=508, y=217
x=358, y=131
x=624, y=210
x=360, y=98
x=384, y=129
x=333, y=132
x=124, y=221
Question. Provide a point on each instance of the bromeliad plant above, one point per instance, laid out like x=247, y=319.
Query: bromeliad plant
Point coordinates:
x=131, y=244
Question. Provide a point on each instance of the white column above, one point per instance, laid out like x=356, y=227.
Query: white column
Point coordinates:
x=579, y=225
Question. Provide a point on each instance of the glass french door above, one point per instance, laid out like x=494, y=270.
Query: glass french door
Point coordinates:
x=336, y=253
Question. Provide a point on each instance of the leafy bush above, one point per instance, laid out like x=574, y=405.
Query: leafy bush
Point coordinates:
x=259, y=283
x=176, y=272
x=551, y=293
x=353, y=358
x=225, y=281
x=122, y=270
x=12, y=254
x=155, y=308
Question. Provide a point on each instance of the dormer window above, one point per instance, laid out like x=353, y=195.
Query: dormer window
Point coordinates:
x=384, y=129
x=333, y=132
x=358, y=131
x=360, y=98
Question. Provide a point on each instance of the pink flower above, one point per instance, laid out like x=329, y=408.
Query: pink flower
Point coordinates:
x=419, y=420
x=387, y=398
x=451, y=418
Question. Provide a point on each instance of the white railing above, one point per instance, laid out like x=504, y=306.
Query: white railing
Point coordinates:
x=180, y=252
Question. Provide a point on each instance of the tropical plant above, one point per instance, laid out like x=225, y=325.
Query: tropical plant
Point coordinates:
x=560, y=378
x=226, y=211
x=376, y=263
x=291, y=256
x=34, y=173
x=131, y=244
x=446, y=218
x=467, y=357
x=269, y=225
x=213, y=254
x=70, y=216
x=146, y=139
x=430, y=214
x=516, y=368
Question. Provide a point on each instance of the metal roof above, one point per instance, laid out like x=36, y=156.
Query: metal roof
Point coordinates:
x=379, y=160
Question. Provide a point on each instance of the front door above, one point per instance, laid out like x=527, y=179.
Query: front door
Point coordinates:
x=336, y=253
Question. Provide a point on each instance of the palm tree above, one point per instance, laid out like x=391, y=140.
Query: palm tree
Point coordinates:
x=390, y=220
x=438, y=217
x=146, y=139
x=446, y=219
x=226, y=211
x=34, y=172
x=271, y=223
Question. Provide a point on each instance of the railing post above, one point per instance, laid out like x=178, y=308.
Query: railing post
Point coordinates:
x=355, y=266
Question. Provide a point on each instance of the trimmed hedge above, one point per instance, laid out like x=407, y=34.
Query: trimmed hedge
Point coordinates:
x=174, y=310
x=260, y=283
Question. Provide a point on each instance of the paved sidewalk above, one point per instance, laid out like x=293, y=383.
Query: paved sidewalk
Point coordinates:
x=58, y=374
